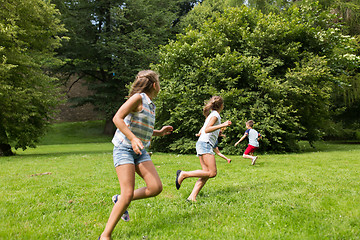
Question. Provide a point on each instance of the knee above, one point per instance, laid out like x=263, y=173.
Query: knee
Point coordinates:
x=244, y=155
x=127, y=196
x=212, y=174
x=156, y=189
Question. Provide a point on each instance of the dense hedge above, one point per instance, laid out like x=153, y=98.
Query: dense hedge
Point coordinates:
x=278, y=70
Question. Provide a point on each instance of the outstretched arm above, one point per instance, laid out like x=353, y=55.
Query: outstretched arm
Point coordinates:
x=211, y=128
x=165, y=130
x=242, y=138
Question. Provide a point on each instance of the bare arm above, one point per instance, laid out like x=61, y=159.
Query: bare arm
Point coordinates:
x=199, y=133
x=133, y=104
x=242, y=138
x=165, y=130
x=211, y=128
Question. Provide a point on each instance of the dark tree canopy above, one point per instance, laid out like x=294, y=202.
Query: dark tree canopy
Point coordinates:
x=110, y=41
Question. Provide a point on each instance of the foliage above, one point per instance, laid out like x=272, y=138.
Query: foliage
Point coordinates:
x=28, y=36
x=347, y=13
x=110, y=41
x=346, y=97
x=205, y=10
x=278, y=70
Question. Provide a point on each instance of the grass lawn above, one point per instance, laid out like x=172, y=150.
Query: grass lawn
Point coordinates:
x=310, y=195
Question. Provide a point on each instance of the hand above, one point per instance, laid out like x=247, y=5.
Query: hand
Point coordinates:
x=227, y=123
x=137, y=145
x=166, y=130
x=236, y=143
x=197, y=135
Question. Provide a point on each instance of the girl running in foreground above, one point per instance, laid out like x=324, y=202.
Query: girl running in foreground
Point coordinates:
x=204, y=147
x=135, y=126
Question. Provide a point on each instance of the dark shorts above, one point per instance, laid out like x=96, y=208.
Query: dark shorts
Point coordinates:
x=250, y=149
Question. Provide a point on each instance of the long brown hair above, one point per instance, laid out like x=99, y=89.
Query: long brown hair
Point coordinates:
x=215, y=103
x=144, y=82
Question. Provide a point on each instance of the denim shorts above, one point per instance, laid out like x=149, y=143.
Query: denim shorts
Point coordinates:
x=124, y=154
x=204, y=148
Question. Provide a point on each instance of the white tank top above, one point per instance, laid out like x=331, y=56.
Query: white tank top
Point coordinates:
x=212, y=136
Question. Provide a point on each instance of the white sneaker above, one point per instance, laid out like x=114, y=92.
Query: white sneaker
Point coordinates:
x=115, y=198
x=126, y=216
x=253, y=160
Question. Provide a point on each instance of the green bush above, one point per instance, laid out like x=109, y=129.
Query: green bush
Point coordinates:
x=276, y=70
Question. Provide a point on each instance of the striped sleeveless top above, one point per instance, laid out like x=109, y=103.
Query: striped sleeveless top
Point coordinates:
x=141, y=124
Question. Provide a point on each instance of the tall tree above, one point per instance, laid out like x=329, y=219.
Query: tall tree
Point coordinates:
x=29, y=32
x=110, y=41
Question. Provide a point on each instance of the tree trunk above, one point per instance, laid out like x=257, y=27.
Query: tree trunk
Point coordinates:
x=109, y=128
x=5, y=150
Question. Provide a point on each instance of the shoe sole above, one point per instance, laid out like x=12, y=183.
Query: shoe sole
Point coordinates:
x=177, y=179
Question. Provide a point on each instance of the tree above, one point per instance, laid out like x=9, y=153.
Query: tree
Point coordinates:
x=347, y=11
x=345, y=99
x=110, y=41
x=208, y=9
x=28, y=36
x=278, y=70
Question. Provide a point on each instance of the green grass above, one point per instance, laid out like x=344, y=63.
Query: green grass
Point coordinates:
x=312, y=195
x=75, y=132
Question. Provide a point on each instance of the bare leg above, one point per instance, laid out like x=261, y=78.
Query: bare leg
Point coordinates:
x=253, y=159
x=126, y=176
x=205, y=172
x=147, y=171
x=247, y=156
x=198, y=186
x=217, y=151
x=208, y=165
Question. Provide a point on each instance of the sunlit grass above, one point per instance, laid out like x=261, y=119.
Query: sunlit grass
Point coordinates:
x=312, y=195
